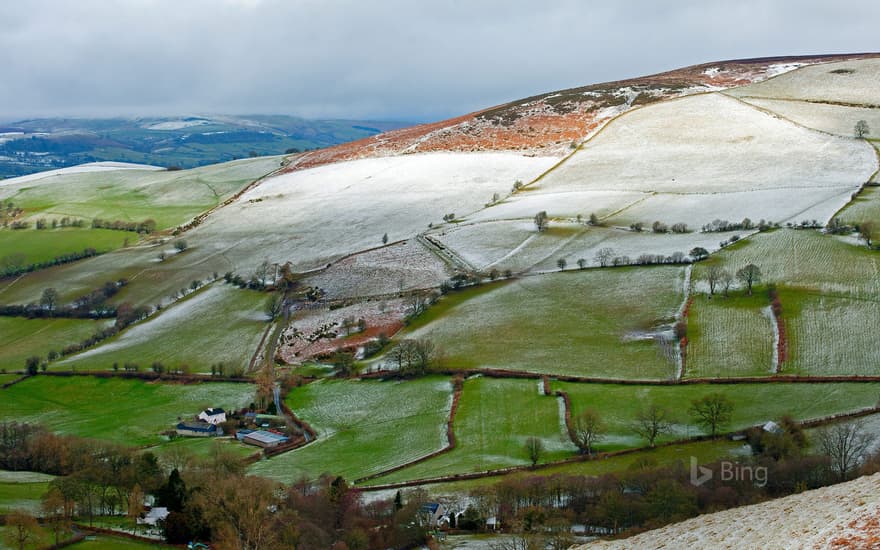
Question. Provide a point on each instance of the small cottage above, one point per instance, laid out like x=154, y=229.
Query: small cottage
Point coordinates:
x=213, y=416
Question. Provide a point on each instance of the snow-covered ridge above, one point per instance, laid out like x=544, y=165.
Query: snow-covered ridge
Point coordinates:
x=89, y=167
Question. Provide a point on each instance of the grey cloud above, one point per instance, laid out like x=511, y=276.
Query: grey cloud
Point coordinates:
x=407, y=60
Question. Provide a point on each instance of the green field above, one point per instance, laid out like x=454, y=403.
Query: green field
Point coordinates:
x=364, y=427
x=754, y=404
x=103, y=542
x=585, y=323
x=22, y=496
x=495, y=418
x=704, y=451
x=220, y=323
x=130, y=412
x=46, y=244
x=204, y=447
x=21, y=338
x=169, y=198
x=729, y=337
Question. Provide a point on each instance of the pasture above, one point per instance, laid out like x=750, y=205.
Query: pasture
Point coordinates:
x=364, y=427
x=220, y=323
x=21, y=338
x=753, y=404
x=45, y=244
x=494, y=419
x=597, y=322
x=129, y=412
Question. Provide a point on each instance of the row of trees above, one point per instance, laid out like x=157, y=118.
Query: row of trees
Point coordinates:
x=17, y=263
x=145, y=227
x=719, y=278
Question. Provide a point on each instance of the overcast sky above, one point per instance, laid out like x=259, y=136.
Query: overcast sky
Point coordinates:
x=410, y=60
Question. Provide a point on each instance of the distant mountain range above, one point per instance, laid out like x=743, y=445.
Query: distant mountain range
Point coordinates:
x=28, y=146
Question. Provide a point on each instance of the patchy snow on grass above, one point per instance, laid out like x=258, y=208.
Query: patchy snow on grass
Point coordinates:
x=401, y=266
x=834, y=119
x=853, y=81
x=834, y=336
x=79, y=169
x=315, y=216
x=840, y=516
x=710, y=143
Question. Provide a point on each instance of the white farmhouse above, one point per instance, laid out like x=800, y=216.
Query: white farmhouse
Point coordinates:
x=213, y=416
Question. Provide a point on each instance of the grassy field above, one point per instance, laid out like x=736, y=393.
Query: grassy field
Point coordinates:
x=103, y=542
x=830, y=298
x=729, y=337
x=169, y=198
x=830, y=335
x=704, y=451
x=219, y=323
x=364, y=427
x=21, y=338
x=866, y=207
x=494, y=419
x=22, y=496
x=754, y=404
x=804, y=259
x=586, y=323
x=204, y=447
x=46, y=244
x=130, y=412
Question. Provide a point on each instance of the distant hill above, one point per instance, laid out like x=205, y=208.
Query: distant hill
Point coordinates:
x=28, y=146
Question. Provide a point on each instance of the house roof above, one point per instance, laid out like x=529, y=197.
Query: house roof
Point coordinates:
x=214, y=412
x=197, y=426
x=263, y=436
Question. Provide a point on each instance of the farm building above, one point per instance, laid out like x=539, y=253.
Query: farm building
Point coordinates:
x=264, y=439
x=433, y=512
x=198, y=428
x=213, y=416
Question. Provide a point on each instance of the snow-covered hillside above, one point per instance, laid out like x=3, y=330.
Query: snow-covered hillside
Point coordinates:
x=841, y=516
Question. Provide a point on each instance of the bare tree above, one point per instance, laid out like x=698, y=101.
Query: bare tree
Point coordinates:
x=49, y=299
x=535, y=449
x=561, y=263
x=604, y=256
x=541, y=220
x=750, y=275
x=861, y=129
x=588, y=428
x=652, y=422
x=846, y=445
x=714, y=274
x=21, y=530
x=712, y=412
x=582, y=263
x=725, y=280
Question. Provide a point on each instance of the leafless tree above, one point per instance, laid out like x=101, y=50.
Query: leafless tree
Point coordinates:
x=750, y=275
x=866, y=232
x=535, y=449
x=861, y=129
x=541, y=220
x=588, y=429
x=714, y=274
x=846, y=445
x=652, y=421
x=604, y=256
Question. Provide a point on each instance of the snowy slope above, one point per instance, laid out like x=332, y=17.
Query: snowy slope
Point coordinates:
x=841, y=516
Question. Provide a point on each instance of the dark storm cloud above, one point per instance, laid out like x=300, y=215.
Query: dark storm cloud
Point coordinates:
x=406, y=59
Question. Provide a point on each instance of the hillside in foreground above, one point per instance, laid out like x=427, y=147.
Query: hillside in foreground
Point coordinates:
x=841, y=516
